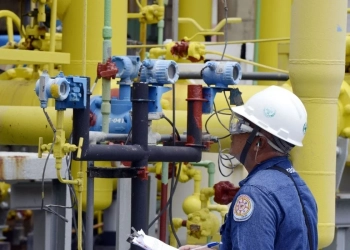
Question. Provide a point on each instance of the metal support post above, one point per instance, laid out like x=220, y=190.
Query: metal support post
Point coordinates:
x=89, y=235
x=123, y=207
x=139, y=187
x=152, y=203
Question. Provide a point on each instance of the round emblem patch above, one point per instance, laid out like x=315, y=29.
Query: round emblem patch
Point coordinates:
x=269, y=112
x=243, y=208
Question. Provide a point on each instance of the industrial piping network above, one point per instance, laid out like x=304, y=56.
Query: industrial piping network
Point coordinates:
x=74, y=92
x=139, y=153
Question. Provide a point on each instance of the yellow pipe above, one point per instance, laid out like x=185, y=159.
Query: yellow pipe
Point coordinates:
x=72, y=15
x=9, y=27
x=206, y=33
x=15, y=122
x=16, y=20
x=316, y=73
x=59, y=176
x=177, y=222
x=214, y=43
x=200, y=11
x=53, y=32
x=13, y=129
x=205, y=195
x=246, y=61
x=58, y=154
x=218, y=27
x=275, y=22
x=222, y=209
x=134, y=15
x=143, y=31
x=139, y=4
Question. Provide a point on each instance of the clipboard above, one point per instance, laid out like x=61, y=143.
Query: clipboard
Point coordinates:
x=147, y=242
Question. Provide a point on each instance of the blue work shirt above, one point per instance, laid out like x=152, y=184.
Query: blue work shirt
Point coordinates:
x=267, y=214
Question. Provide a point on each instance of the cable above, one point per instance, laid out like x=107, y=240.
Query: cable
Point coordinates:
x=94, y=85
x=219, y=118
x=228, y=104
x=172, y=124
x=128, y=137
x=225, y=32
x=216, y=113
x=219, y=165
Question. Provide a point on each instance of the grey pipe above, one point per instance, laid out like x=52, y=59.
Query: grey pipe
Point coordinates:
x=89, y=218
x=175, y=22
x=260, y=76
x=193, y=71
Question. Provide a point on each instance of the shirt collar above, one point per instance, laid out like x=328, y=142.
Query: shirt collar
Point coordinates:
x=281, y=161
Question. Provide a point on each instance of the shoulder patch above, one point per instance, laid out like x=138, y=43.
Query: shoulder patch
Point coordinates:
x=243, y=208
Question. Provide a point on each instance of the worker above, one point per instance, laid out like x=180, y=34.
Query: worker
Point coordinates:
x=274, y=208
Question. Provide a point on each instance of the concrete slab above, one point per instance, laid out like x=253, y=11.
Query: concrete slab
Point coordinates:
x=27, y=166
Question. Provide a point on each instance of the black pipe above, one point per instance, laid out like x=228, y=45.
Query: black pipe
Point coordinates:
x=114, y=152
x=258, y=76
x=174, y=153
x=135, y=153
x=81, y=124
x=99, y=152
x=89, y=217
x=139, y=187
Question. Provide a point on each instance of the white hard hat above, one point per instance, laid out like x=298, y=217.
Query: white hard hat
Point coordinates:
x=279, y=112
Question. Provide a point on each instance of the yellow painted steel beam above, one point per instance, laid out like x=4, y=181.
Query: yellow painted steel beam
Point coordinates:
x=316, y=73
x=12, y=56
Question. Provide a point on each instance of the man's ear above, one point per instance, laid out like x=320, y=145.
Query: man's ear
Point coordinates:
x=261, y=142
x=258, y=144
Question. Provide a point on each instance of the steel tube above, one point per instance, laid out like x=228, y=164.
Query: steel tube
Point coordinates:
x=194, y=115
x=163, y=201
x=139, y=187
x=136, y=153
x=81, y=124
x=192, y=71
x=114, y=153
x=174, y=153
x=89, y=219
x=260, y=76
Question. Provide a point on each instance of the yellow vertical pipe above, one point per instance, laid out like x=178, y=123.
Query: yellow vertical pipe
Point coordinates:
x=72, y=17
x=199, y=10
x=274, y=22
x=316, y=68
x=53, y=32
x=143, y=33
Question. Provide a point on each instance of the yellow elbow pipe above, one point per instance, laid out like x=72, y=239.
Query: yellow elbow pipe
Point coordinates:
x=316, y=73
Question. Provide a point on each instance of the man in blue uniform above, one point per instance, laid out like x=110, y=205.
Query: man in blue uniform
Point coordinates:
x=274, y=209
